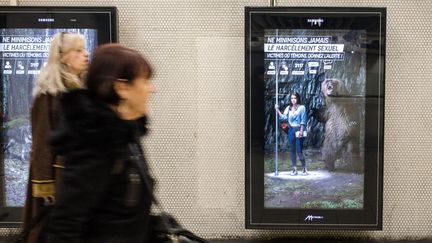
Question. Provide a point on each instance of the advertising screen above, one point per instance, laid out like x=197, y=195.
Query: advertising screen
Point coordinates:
x=25, y=37
x=314, y=114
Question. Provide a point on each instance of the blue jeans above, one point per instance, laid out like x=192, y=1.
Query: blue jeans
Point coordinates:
x=296, y=147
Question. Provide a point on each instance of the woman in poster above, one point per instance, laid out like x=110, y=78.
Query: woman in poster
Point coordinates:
x=295, y=114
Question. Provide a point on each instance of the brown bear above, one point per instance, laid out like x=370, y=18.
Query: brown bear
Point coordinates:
x=342, y=127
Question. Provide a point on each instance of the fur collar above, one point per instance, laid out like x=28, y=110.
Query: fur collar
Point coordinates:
x=88, y=123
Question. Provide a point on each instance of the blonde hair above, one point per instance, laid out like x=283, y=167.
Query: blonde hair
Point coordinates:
x=54, y=78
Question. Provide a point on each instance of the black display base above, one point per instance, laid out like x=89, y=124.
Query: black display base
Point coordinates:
x=315, y=240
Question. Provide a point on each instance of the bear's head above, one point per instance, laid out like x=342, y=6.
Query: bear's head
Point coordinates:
x=333, y=87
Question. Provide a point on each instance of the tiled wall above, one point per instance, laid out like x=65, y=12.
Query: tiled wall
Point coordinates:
x=196, y=147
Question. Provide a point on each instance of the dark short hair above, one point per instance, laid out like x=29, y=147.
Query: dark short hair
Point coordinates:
x=111, y=62
x=297, y=95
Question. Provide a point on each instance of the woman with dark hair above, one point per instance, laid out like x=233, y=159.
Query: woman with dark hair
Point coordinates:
x=107, y=190
x=295, y=114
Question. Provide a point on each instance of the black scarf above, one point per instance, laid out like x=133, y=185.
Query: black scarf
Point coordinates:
x=87, y=123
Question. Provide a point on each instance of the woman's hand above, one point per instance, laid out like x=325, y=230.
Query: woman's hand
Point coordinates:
x=277, y=109
x=300, y=133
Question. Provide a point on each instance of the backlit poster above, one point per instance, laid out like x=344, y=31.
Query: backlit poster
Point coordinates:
x=23, y=53
x=25, y=37
x=314, y=114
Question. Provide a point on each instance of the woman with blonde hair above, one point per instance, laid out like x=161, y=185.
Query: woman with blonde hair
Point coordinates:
x=67, y=64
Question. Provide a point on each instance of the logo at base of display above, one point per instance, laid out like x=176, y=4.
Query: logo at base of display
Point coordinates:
x=315, y=22
x=45, y=20
x=312, y=217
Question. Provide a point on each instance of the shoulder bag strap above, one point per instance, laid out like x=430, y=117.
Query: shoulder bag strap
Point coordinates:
x=136, y=149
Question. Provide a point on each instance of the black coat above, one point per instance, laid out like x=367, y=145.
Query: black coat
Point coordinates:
x=104, y=196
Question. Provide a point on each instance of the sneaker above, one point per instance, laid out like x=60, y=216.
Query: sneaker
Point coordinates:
x=294, y=171
x=304, y=172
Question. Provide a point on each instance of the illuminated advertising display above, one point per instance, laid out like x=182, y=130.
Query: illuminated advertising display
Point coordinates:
x=314, y=117
x=25, y=37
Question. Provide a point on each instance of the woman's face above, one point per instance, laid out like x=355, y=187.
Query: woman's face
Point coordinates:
x=77, y=59
x=137, y=97
x=293, y=99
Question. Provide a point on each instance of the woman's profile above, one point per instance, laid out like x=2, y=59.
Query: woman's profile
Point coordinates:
x=107, y=189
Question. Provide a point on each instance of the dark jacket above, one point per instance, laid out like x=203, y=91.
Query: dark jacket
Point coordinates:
x=104, y=196
x=42, y=176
